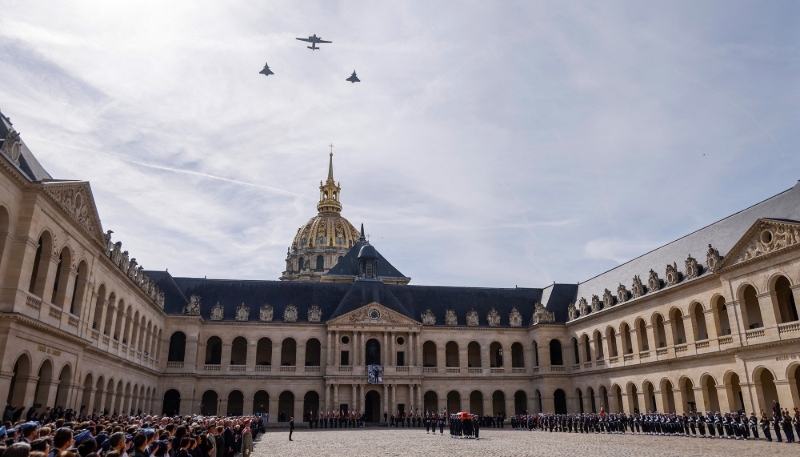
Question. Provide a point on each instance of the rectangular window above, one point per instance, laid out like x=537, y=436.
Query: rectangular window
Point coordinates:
x=401, y=359
x=345, y=359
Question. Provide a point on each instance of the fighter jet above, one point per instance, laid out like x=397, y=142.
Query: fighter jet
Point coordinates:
x=353, y=78
x=266, y=71
x=314, y=40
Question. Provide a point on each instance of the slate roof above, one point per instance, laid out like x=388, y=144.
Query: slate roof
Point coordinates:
x=28, y=164
x=722, y=235
x=348, y=266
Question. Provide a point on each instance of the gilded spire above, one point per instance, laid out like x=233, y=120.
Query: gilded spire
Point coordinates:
x=329, y=192
x=330, y=166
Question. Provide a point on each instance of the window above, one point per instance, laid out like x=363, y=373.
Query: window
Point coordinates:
x=345, y=359
x=320, y=262
x=401, y=359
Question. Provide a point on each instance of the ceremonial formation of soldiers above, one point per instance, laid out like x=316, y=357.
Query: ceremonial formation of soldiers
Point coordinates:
x=61, y=433
x=695, y=424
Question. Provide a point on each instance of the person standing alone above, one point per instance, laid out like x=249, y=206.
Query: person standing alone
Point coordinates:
x=291, y=427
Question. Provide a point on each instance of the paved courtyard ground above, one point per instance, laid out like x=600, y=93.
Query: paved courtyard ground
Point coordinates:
x=377, y=442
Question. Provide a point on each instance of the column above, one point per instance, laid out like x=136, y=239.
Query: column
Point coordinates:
x=300, y=358
x=510, y=406
x=440, y=355
x=355, y=359
x=336, y=356
x=394, y=399
x=770, y=313
x=67, y=294
x=621, y=350
x=659, y=401
x=385, y=350
x=226, y=356
x=90, y=405
x=273, y=407
x=464, y=400
x=336, y=397
x=276, y=361
x=700, y=399
x=680, y=402
x=392, y=349
x=252, y=348
x=328, y=350
x=651, y=340
x=485, y=360
x=507, y=360
x=688, y=327
x=385, y=399
x=47, y=294
x=297, y=411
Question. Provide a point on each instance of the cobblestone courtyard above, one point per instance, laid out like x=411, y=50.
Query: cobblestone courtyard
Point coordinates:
x=391, y=442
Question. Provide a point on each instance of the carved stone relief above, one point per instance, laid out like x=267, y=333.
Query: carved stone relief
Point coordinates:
x=637, y=289
x=450, y=317
x=712, y=258
x=515, y=318
x=217, y=312
x=242, y=312
x=314, y=314
x=290, y=314
x=543, y=315
x=572, y=312
x=193, y=308
x=608, y=299
x=692, y=268
x=673, y=275
x=771, y=237
x=472, y=318
x=597, y=305
x=493, y=317
x=583, y=307
x=265, y=313
x=622, y=294
x=653, y=283
x=428, y=318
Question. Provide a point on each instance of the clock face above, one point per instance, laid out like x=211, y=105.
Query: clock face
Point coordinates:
x=374, y=314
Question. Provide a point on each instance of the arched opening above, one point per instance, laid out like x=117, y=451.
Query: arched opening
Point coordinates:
x=517, y=356
x=172, y=403
x=495, y=355
x=320, y=262
x=598, y=345
x=592, y=401
x=649, y=396
x=535, y=354
x=4, y=227
x=88, y=384
x=660, y=332
x=520, y=402
x=264, y=352
x=19, y=382
x=429, y=354
x=285, y=406
x=576, y=356
x=43, y=385
x=556, y=356
x=111, y=309
x=499, y=403
x=767, y=391
x=627, y=342
x=734, y=391
x=538, y=396
x=239, y=351
x=110, y=393
x=668, y=396
x=177, y=347
x=710, y=394
x=783, y=296
x=453, y=402
x=604, y=398
x=473, y=354
x=587, y=349
x=209, y=403
x=618, y=396
x=261, y=402
x=62, y=277
x=641, y=335
x=311, y=403
x=64, y=380
x=687, y=392
x=698, y=321
x=633, y=398
x=372, y=405
x=373, y=352
x=78, y=289
x=476, y=402
x=579, y=395
x=288, y=353
x=313, y=353
x=235, y=403
x=214, y=351
x=721, y=320
x=99, y=305
x=451, y=354
x=41, y=264
x=560, y=401
x=751, y=311
x=611, y=338
x=678, y=329
x=794, y=380
x=301, y=263
x=431, y=400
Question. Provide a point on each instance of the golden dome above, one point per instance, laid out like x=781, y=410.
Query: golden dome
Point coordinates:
x=326, y=230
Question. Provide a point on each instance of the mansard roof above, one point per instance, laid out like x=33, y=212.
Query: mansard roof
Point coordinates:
x=28, y=164
x=348, y=266
x=722, y=235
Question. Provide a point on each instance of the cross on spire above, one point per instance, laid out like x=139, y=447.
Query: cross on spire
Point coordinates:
x=331, y=145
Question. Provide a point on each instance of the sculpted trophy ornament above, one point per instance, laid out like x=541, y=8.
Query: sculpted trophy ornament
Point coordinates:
x=637, y=290
x=314, y=314
x=515, y=318
x=608, y=299
x=653, y=283
x=290, y=314
x=673, y=275
x=217, y=312
x=472, y=318
x=572, y=312
x=542, y=315
x=265, y=313
x=428, y=318
x=12, y=146
x=242, y=312
x=493, y=317
x=692, y=268
x=450, y=317
x=597, y=305
x=583, y=307
x=193, y=308
x=622, y=294
x=713, y=258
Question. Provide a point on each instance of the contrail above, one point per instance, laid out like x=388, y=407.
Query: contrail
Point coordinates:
x=125, y=158
x=737, y=106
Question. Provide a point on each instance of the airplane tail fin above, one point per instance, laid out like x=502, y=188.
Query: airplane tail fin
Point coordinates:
x=312, y=48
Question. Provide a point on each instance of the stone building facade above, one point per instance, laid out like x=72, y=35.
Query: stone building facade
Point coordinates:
x=709, y=321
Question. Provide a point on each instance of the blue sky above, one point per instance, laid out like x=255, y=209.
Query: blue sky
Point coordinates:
x=488, y=144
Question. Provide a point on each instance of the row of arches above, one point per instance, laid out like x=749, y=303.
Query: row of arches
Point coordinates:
x=476, y=356
x=124, y=324
x=66, y=290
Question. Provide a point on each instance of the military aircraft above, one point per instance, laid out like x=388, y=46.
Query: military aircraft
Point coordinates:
x=353, y=78
x=266, y=71
x=314, y=40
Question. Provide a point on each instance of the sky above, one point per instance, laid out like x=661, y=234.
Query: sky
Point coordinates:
x=495, y=144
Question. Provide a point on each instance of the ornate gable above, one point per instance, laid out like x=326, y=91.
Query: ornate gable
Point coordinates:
x=76, y=199
x=765, y=237
x=373, y=314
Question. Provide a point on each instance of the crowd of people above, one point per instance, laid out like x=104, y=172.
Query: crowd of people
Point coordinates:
x=63, y=433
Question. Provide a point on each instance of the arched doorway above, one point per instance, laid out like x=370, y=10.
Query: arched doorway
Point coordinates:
x=19, y=381
x=476, y=402
x=313, y=353
x=261, y=402
x=177, y=347
x=499, y=402
x=668, y=396
x=372, y=406
x=429, y=354
x=288, y=352
x=235, y=403
x=785, y=299
x=431, y=402
x=43, y=386
x=310, y=404
x=710, y=394
x=239, y=351
x=285, y=406
x=172, y=403
x=520, y=402
x=63, y=387
x=560, y=401
x=214, y=351
x=373, y=352
x=687, y=392
x=767, y=392
x=453, y=402
x=209, y=403
x=734, y=390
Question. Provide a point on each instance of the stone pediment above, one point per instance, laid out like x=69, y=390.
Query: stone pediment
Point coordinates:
x=76, y=199
x=373, y=314
x=766, y=236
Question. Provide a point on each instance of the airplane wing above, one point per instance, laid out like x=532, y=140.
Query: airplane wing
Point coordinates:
x=323, y=41
x=304, y=39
